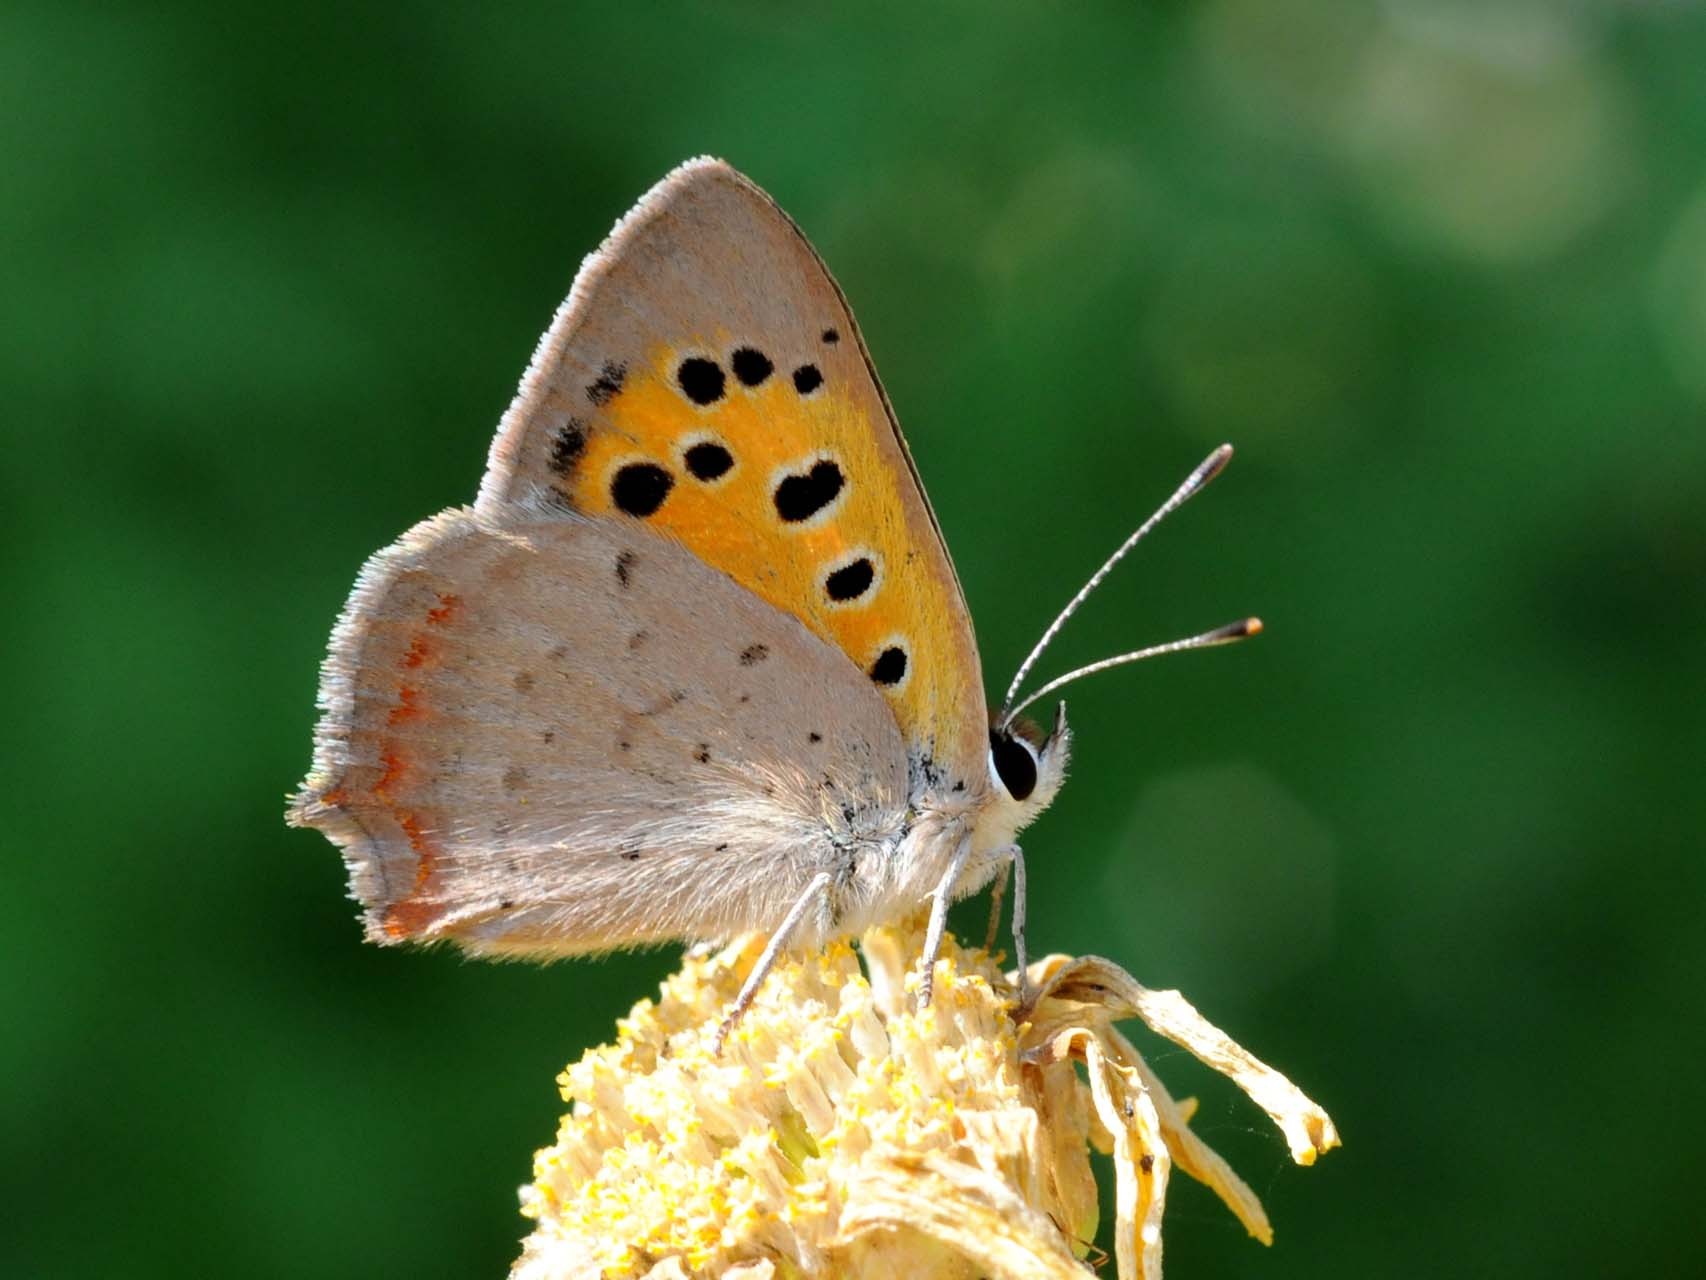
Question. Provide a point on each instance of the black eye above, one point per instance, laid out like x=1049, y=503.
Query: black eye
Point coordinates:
x=1014, y=764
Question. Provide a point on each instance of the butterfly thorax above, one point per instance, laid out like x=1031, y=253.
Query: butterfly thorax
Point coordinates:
x=951, y=805
x=888, y=863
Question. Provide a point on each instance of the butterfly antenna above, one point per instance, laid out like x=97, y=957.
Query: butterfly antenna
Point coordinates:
x=1207, y=470
x=1207, y=640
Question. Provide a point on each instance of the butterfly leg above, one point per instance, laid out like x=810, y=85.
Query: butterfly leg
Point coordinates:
x=1012, y=863
x=1016, y=860
x=772, y=952
x=939, y=920
x=997, y=896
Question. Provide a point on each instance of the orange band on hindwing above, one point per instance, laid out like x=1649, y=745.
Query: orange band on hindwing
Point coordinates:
x=409, y=915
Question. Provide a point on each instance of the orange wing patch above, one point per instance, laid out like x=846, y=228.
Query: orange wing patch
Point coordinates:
x=389, y=784
x=773, y=476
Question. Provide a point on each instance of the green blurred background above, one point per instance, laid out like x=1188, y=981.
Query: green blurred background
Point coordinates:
x=1431, y=845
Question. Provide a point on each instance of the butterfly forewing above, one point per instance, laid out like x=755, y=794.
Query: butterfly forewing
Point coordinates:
x=705, y=379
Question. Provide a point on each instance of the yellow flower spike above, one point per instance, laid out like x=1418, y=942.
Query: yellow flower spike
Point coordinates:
x=844, y=1132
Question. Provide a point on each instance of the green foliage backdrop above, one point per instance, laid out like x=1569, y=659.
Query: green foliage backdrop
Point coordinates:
x=1432, y=844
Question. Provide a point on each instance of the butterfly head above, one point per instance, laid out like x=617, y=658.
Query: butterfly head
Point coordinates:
x=1027, y=766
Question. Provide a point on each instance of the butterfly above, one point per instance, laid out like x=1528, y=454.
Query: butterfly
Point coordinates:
x=696, y=661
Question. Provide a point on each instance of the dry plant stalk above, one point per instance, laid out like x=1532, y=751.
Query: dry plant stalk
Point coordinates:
x=845, y=1133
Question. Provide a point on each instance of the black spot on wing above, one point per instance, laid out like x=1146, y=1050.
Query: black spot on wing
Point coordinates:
x=639, y=488
x=850, y=581
x=801, y=497
x=604, y=388
x=700, y=380
x=754, y=654
x=567, y=446
x=625, y=562
x=752, y=367
x=831, y=337
x=702, y=753
x=708, y=460
x=890, y=666
x=807, y=379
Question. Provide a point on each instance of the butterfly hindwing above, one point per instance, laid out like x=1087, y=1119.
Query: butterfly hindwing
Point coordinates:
x=705, y=379
x=569, y=734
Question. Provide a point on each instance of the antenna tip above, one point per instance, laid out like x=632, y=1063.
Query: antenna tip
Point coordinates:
x=1239, y=630
x=1209, y=468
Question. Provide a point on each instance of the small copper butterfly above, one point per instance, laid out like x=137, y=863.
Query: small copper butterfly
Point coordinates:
x=696, y=661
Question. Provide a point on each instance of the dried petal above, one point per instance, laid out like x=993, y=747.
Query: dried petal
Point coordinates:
x=982, y=1220
x=1308, y=1130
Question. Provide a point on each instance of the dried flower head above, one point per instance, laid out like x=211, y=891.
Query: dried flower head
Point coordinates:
x=844, y=1132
